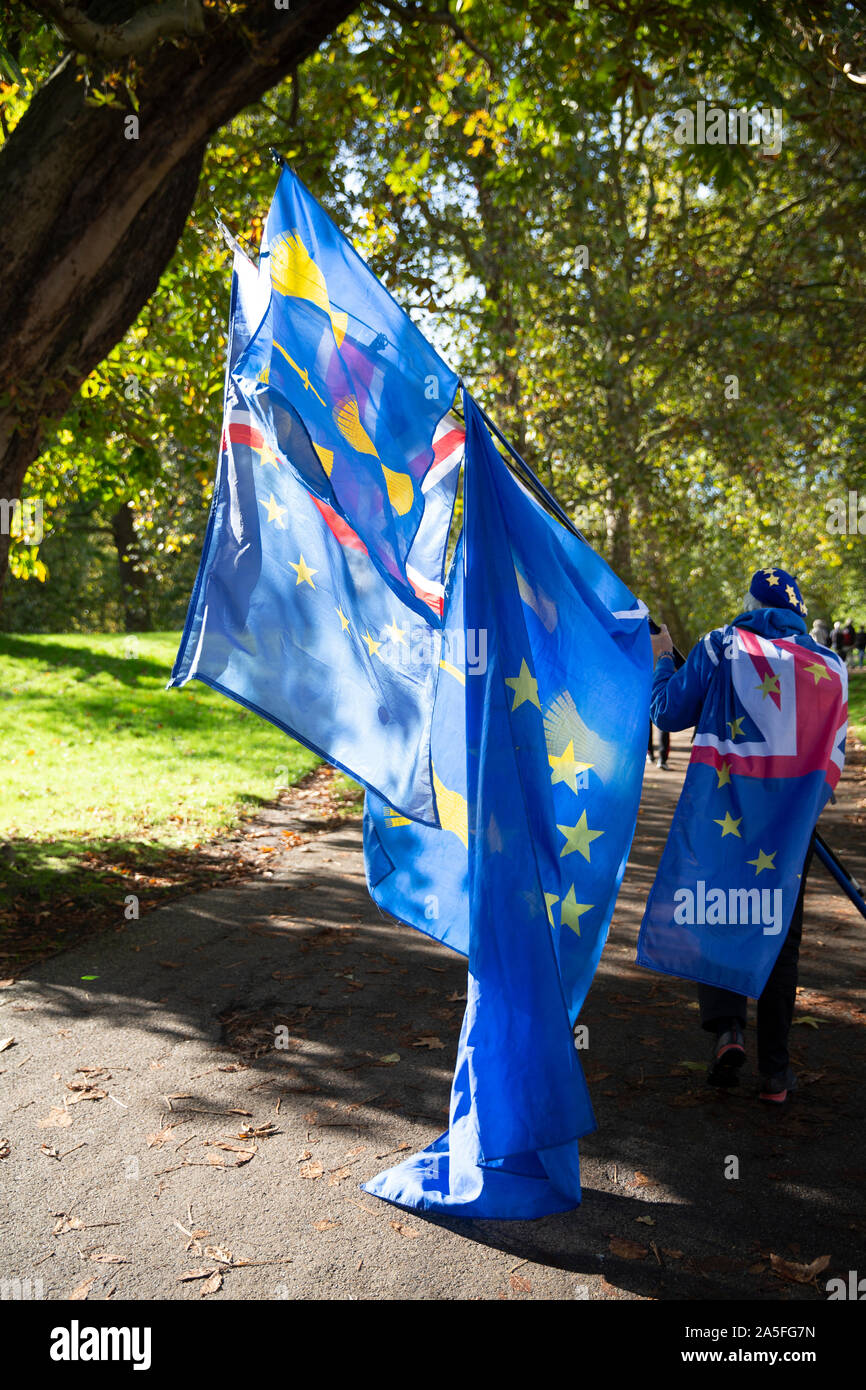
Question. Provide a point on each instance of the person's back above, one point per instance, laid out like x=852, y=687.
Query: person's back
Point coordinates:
x=769, y=707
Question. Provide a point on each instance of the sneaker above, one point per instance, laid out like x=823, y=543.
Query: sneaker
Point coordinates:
x=776, y=1089
x=662, y=763
x=728, y=1057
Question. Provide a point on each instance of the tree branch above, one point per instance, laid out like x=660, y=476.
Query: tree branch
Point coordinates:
x=134, y=35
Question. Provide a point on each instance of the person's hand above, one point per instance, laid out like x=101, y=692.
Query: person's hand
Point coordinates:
x=662, y=643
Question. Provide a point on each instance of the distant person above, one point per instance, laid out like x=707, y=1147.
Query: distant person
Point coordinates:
x=836, y=637
x=860, y=647
x=664, y=748
x=820, y=633
x=846, y=648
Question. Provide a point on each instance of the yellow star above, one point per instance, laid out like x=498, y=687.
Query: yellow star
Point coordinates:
x=549, y=900
x=525, y=687
x=397, y=634
x=724, y=775
x=772, y=577
x=791, y=594
x=275, y=512
x=578, y=837
x=565, y=767
x=343, y=619
x=305, y=574
x=267, y=455
x=372, y=647
x=767, y=687
x=729, y=825
x=735, y=726
x=818, y=671
x=572, y=911
x=763, y=861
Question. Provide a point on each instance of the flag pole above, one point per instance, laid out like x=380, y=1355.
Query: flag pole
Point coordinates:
x=834, y=866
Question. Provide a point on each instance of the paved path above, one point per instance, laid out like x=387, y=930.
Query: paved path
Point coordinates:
x=195, y=1145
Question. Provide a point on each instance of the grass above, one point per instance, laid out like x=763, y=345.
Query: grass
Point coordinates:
x=857, y=703
x=104, y=772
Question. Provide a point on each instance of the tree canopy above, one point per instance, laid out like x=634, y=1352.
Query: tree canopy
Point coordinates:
x=669, y=332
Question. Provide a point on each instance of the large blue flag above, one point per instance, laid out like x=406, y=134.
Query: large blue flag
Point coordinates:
x=498, y=724
x=553, y=783
x=768, y=750
x=289, y=615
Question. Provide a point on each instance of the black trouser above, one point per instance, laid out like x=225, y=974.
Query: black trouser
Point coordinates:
x=664, y=745
x=776, y=1004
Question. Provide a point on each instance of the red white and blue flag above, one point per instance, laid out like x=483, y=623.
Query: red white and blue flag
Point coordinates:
x=768, y=750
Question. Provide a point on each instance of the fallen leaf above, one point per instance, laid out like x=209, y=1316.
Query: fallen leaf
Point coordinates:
x=82, y=1290
x=519, y=1284
x=257, y=1131
x=213, y=1284
x=339, y=1175
x=57, y=1118
x=796, y=1273
x=67, y=1223
x=310, y=1170
x=693, y=1066
x=435, y=1044
x=154, y=1141
x=390, y=1059
x=645, y=1220
x=403, y=1230
x=641, y=1180
x=808, y=1020
x=81, y=1092
x=47, y=1150
x=216, y=1252
x=325, y=1225
x=195, y=1274
x=627, y=1249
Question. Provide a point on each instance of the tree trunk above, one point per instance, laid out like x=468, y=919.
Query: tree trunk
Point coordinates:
x=91, y=217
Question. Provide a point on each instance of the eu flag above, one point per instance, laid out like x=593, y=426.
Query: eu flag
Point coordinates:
x=338, y=373
x=553, y=784
x=290, y=617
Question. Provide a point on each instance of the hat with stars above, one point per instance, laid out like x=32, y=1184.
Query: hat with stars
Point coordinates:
x=777, y=589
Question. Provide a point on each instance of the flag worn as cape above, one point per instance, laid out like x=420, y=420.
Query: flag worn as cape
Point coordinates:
x=771, y=711
x=553, y=779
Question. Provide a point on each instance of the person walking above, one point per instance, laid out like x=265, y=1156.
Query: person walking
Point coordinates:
x=769, y=705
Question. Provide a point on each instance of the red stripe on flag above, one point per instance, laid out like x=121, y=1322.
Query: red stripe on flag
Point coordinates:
x=341, y=529
x=245, y=434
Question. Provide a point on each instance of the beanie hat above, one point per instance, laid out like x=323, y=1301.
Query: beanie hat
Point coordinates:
x=777, y=588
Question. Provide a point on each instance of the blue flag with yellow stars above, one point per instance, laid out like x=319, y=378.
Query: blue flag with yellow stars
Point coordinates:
x=339, y=376
x=289, y=615
x=555, y=720
x=418, y=873
x=771, y=714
